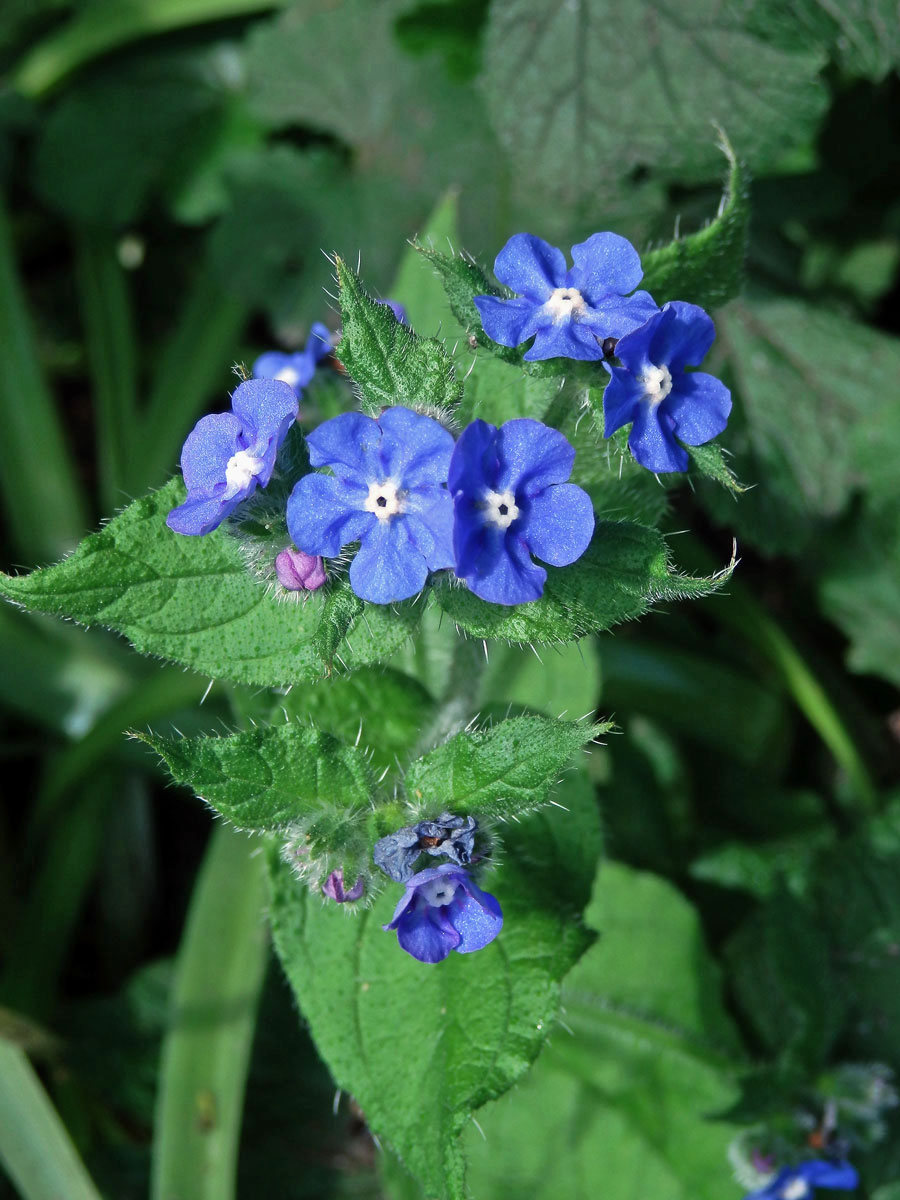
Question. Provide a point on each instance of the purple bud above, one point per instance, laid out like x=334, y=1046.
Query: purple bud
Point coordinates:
x=299, y=572
x=333, y=888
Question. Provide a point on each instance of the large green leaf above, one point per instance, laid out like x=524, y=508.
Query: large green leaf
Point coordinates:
x=194, y=601
x=863, y=36
x=500, y=772
x=624, y=571
x=267, y=778
x=420, y=1047
x=579, y=91
x=625, y=1091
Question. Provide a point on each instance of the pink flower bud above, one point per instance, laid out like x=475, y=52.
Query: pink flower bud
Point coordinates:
x=298, y=572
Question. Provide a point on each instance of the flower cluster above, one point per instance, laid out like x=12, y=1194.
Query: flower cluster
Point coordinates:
x=591, y=311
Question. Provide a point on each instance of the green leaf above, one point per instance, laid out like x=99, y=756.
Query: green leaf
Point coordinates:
x=666, y=74
x=498, y=773
x=270, y=777
x=390, y=363
x=706, y=268
x=862, y=36
x=625, y=1092
x=710, y=461
x=624, y=571
x=342, y=607
x=194, y=601
x=416, y=286
x=420, y=1047
x=566, y=683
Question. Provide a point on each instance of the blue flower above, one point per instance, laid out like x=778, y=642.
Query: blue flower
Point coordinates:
x=569, y=313
x=798, y=1183
x=511, y=500
x=296, y=370
x=386, y=492
x=653, y=390
x=443, y=910
x=226, y=455
x=449, y=836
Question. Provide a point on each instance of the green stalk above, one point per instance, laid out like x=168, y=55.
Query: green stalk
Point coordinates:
x=206, y=1051
x=99, y=28
x=35, y=1148
x=190, y=367
x=38, y=484
x=109, y=334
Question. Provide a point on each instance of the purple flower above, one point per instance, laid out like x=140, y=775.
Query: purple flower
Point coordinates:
x=798, y=1183
x=449, y=836
x=443, y=910
x=226, y=455
x=386, y=491
x=298, y=572
x=333, y=888
x=653, y=390
x=296, y=370
x=569, y=313
x=511, y=500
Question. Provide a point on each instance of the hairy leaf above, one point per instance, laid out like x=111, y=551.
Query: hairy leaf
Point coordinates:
x=194, y=601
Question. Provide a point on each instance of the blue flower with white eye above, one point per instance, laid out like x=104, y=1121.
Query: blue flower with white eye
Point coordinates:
x=511, y=501
x=227, y=454
x=800, y=1183
x=568, y=311
x=443, y=910
x=654, y=392
x=296, y=370
x=386, y=491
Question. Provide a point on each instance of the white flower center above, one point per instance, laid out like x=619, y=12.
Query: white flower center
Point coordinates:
x=384, y=500
x=657, y=383
x=564, y=304
x=794, y=1189
x=239, y=470
x=439, y=891
x=289, y=375
x=500, y=509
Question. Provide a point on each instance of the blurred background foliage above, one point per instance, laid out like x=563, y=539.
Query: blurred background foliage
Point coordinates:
x=170, y=173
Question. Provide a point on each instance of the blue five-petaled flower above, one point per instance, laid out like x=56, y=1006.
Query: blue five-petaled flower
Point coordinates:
x=443, y=910
x=654, y=392
x=511, y=500
x=386, y=491
x=568, y=312
x=227, y=454
x=296, y=370
x=800, y=1182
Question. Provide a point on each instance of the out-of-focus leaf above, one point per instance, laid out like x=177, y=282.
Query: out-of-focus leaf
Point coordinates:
x=760, y=868
x=863, y=36
x=565, y=681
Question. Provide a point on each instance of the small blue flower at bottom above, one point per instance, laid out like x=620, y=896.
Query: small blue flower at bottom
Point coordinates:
x=227, y=454
x=296, y=370
x=386, y=492
x=511, y=500
x=800, y=1182
x=653, y=390
x=443, y=910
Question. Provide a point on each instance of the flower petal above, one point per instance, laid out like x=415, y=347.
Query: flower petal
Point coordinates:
x=426, y=934
x=634, y=349
x=652, y=443
x=475, y=463
x=565, y=339
x=616, y=316
x=349, y=444
x=821, y=1173
x=266, y=406
x=476, y=916
x=684, y=338
x=324, y=513
x=532, y=456
x=272, y=363
x=530, y=266
x=209, y=446
x=623, y=394
x=605, y=263
x=698, y=405
x=429, y=517
x=387, y=566
x=503, y=573
x=202, y=514
x=560, y=524
x=415, y=449
x=318, y=344
x=505, y=321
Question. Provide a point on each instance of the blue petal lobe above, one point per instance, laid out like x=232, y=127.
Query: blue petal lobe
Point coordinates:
x=505, y=321
x=651, y=441
x=566, y=339
x=209, y=446
x=699, y=405
x=272, y=363
x=821, y=1173
x=427, y=935
x=318, y=344
x=429, y=517
x=348, y=443
x=388, y=566
x=324, y=513
x=476, y=917
x=503, y=573
x=605, y=263
x=266, y=406
x=616, y=316
x=530, y=266
x=202, y=514
x=620, y=400
x=415, y=449
x=475, y=462
x=682, y=339
x=560, y=524
x=532, y=456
